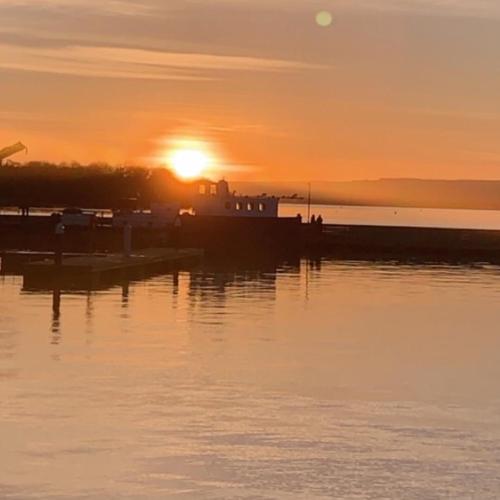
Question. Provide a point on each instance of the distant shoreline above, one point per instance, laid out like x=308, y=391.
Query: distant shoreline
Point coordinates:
x=381, y=205
x=404, y=193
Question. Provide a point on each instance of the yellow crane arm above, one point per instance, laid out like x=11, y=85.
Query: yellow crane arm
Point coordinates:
x=11, y=150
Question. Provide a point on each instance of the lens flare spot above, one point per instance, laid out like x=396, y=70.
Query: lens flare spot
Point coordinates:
x=324, y=18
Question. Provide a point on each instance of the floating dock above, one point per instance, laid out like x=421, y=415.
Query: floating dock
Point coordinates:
x=92, y=271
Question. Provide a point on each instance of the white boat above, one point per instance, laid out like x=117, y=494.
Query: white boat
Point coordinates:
x=215, y=199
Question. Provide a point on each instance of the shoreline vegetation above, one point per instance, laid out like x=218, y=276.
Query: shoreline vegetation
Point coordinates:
x=40, y=184
x=43, y=184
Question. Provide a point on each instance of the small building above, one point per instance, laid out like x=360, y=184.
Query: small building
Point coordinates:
x=215, y=199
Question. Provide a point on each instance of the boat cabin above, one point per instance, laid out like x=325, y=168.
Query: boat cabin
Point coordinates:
x=215, y=199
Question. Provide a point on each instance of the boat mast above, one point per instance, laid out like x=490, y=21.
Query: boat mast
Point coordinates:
x=309, y=203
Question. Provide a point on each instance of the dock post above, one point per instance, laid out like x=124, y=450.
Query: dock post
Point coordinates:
x=56, y=302
x=127, y=240
x=58, y=250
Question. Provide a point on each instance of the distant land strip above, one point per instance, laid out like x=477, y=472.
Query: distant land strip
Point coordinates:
x=416, y=193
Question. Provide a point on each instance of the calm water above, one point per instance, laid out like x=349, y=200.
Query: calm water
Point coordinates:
x=396, y=216
x=348, y=380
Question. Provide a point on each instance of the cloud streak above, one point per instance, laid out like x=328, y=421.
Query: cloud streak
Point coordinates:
x=117, y=7
x=120, y=8
x=448, y=8
x=119, y=62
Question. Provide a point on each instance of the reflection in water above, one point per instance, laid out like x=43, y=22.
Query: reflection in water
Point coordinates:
x=228, y=383
x=125, y=294
x=252, y=285
x=89, y=314
x=56, y=316
x=56, y=303
x=125, y=299
x=175, y=282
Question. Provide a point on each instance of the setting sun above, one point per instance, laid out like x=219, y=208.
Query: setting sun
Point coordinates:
x=189, y=159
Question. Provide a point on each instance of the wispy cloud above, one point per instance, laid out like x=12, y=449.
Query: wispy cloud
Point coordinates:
x=119, y=62
x=118, y=7
x=482, y=8
x=452, y=8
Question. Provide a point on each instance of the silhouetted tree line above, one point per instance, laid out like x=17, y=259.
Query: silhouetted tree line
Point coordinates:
x=90, y=186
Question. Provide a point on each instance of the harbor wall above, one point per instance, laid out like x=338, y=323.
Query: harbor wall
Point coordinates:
x=242, y=234
x=372, y=241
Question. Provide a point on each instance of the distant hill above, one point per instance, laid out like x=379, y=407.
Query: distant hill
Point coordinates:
x=422, y=193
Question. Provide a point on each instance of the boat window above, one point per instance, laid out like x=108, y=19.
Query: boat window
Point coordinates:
x=213, y=189
x=202, y=189
x=228, y=205
x=239, y=206
x=249, y=206
x=262, y=207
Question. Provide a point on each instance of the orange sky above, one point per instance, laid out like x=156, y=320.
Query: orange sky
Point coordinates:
x=392, y=88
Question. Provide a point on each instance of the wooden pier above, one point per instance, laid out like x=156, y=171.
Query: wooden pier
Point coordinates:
x=93, y=271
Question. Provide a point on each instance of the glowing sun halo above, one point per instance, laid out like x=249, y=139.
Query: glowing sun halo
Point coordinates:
x=189, y=161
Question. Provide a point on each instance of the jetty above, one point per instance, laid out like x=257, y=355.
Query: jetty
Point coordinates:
x=93, y=271
x=373, y=242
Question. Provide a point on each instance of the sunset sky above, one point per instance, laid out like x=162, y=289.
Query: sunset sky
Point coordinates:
x=391, y=88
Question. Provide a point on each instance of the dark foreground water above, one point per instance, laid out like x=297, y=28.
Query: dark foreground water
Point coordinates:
x=348, y=380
